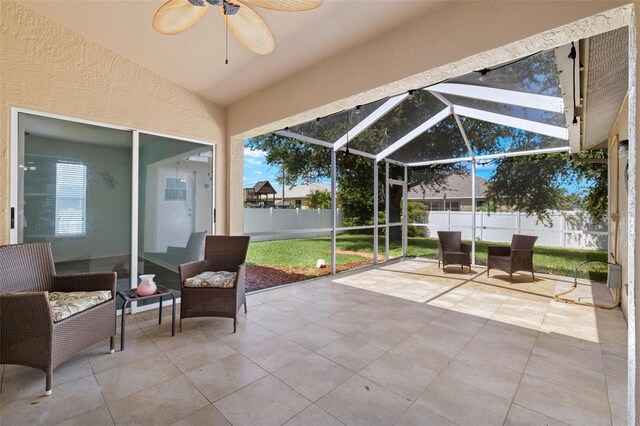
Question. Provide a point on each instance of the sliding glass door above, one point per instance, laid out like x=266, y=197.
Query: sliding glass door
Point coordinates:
x=111, y=199
x=175, y=187
x=74, y=190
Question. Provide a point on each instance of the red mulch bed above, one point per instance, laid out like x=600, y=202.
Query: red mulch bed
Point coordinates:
x=261, y=277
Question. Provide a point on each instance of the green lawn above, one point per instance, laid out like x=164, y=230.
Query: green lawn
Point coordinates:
x=303, y=253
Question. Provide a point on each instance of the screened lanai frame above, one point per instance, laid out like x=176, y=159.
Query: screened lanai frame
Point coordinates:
x=533, y=95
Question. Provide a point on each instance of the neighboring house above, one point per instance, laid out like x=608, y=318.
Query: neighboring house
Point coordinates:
x=296, y=196
x=455, y=195
x=262, y=194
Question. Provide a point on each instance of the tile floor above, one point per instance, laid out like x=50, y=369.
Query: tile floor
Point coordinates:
x=401, y=344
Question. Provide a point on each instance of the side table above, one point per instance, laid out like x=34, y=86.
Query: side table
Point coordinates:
x=129, y=296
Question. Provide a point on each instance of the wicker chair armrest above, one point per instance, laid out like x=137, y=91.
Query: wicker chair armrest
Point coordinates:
x=499, y=251
x=25, y=313
x=466, y=248
x=90, y=281
x=241, y=277
x=191, y=269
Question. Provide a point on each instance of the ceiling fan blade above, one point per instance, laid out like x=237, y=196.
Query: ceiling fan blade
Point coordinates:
x=286, y=5
x=249, y=28
x=176, y=16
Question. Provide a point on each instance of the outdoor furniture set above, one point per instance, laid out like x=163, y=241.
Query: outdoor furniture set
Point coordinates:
x=517, y=257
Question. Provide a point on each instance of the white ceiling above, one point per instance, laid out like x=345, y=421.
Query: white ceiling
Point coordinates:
x=195, y=58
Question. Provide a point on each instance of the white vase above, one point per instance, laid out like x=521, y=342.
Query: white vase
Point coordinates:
x=146, y=287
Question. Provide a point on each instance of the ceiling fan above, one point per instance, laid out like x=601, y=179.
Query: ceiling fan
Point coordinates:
x=176, y=16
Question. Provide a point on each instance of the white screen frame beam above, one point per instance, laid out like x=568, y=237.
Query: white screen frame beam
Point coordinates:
x=503, y=96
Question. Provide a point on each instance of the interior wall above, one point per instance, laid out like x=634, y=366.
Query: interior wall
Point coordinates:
x=47, y=67
x=618, y=200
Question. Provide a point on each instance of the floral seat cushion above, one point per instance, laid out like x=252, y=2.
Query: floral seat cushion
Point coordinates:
x=64, y=304
x=219, y=279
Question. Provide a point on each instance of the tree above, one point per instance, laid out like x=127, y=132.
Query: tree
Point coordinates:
x=417, y=213
x=533, y=185
x=320, y=199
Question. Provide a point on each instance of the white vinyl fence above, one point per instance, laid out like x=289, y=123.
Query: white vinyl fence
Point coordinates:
x=286, y=224
x=569, y=229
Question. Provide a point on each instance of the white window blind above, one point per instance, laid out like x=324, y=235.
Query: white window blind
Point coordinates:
x=71, y=194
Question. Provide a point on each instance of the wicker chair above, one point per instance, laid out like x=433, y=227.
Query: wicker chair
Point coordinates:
x=221, y=253
x=518, y=257
x=28, y=334
x=451, y=250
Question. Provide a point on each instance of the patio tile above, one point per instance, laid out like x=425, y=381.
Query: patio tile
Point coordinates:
x=67, y=401
x=313, y=416
x=462, y=323
x=265, y=402
x=417, y=415
x=96, y=417
x=102, y=360
x=520, y=416
x=251, y=335
x=207, y=416
x=283, y=323
x=493, y=378
x=615, y=366
x=359, y=401
x=165, y=403
x=261, y=312
x=555, y=401
x=19, y=381
x=398, y=375
x=462, y=403
x=274, y=353
x=386, y=332
x=225, y=376
x=499, y=351
x=420, y=351
x=133, y=377
x=566, y=374
x=443, y=337
x=617, y=391
x=197, y=353
x=350, y=353
x=312, y=336
x=619, y=415
x=578, y=352
x=313, y=376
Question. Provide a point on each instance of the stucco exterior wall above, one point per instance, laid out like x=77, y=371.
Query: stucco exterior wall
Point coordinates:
x=47, y=67
x=618, y=202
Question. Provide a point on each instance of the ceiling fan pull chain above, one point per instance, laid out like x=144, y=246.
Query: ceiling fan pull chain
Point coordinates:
x=226, y=47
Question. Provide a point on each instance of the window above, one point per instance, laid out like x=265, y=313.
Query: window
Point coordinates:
x=298, y=203
x=433, y=206
x=175, y=189
x=71, y=199
x=453, y=206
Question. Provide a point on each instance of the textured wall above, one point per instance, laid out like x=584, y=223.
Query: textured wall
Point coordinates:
x=47, y=67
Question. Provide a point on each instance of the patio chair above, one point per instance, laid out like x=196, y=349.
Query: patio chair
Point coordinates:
x=45, y=319
x=518, y=257
x=451, y=250
x=214, y=287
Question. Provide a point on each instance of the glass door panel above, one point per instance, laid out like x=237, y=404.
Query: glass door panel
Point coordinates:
x=175, y=205
x=74, y=190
